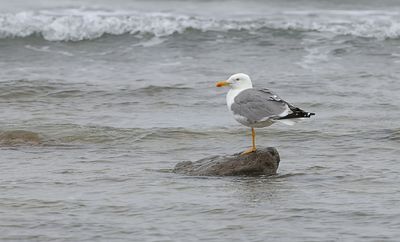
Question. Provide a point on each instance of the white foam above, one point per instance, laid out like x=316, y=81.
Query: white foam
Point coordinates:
x=82, y=24
x=47, y=50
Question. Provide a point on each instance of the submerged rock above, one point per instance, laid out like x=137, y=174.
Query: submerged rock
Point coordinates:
x=264, y=161
x=19, y=137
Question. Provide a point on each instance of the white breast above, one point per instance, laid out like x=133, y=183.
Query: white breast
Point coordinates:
x=230, y=97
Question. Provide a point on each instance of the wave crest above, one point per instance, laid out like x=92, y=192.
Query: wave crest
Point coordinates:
x=78, y=24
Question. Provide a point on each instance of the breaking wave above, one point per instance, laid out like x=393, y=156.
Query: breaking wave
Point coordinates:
x=84, y=24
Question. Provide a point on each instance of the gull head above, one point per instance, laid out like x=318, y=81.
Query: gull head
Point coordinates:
x=237, y=81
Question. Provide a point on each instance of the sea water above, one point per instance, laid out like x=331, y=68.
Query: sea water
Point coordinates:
x=121, y=91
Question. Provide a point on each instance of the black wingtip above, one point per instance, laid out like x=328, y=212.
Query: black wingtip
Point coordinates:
x=310, y=114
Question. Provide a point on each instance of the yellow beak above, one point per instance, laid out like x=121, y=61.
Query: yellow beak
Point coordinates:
x=222, y=84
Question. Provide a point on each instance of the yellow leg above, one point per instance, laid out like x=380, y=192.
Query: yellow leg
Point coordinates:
x=253, y=148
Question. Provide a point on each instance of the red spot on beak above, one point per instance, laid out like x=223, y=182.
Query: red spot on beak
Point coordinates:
x=222, y=84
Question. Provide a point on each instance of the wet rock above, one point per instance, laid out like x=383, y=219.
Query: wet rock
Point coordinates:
x=264, y=161
x=19, y=137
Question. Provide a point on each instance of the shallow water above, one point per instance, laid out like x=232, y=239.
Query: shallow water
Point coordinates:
x=119, y=94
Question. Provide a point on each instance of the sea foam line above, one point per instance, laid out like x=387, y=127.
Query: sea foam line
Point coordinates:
x=80, y=24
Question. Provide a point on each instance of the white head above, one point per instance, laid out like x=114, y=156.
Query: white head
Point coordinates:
x=237, y=81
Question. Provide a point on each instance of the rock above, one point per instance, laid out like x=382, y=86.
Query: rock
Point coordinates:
x=264, y=161
x=19, y=137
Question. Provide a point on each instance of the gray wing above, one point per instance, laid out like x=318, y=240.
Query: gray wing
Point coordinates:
x=258, y=105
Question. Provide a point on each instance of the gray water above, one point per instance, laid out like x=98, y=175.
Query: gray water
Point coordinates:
x=119, y=93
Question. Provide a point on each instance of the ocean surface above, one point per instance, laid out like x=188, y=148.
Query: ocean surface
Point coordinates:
x=120, y=91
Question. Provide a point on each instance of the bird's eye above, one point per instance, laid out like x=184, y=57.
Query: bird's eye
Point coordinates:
x=237, y=79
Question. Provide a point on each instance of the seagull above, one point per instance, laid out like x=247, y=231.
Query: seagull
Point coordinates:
x=257, y=108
